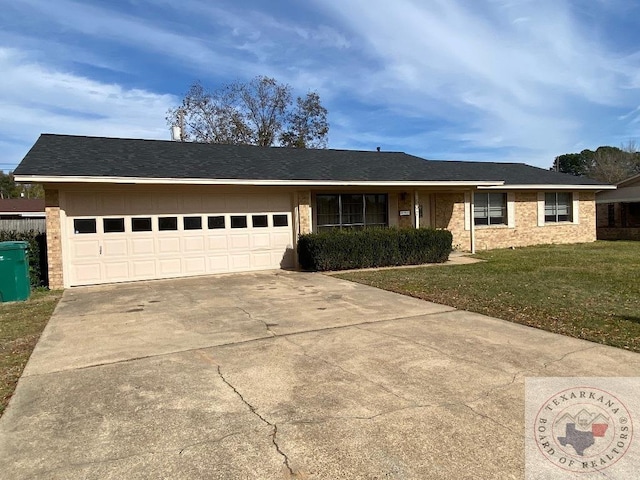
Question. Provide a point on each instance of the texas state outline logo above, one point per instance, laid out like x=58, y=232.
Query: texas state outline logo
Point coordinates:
x=583, y=429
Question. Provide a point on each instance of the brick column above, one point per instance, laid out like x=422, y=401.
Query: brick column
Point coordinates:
x=304, y=212
x=54, y=242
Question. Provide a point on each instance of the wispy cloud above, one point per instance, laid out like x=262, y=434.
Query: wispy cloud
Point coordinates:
x=36, y=99
x=521, y=80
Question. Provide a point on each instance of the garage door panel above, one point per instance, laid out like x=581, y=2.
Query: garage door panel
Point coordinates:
x=218, y=263
x=116, y=271
x=143, y=246
x=260, y=240
x=218, y=243
x=195, y=265
x=239, y=242
x=240, y=261
x=86, y=274
x=143, y=268
x=115, y=247
x=169, y=266
x=85, y=248
x=194, y=244
x=147, y=253
x=169, y=245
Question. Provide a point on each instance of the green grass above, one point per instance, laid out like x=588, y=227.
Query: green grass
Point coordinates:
x=589, y=291
x=21, y=324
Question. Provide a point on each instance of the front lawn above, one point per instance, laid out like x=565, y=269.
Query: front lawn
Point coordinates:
x=20, y=326
x=588, y=291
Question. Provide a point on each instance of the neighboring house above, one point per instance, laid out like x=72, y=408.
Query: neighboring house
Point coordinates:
x=18, y=208
x=124, y=209
x=618, y=211
x=22, y=214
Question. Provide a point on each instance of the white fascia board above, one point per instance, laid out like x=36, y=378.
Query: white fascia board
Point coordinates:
x=222, y=181
x=547, y=186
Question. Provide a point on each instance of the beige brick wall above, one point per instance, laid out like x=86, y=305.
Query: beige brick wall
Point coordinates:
x=304, y=212
x=54, y=241
x=527, y=232
x=449, y=214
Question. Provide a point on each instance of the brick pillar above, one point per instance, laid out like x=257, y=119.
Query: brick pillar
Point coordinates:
x=304, y=212
x=54, y=242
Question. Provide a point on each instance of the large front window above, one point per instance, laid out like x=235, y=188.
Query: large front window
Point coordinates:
x=490, y=209
x=557, y=207
x=351, y=210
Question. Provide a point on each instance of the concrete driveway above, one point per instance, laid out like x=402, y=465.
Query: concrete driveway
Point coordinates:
x=278, y=375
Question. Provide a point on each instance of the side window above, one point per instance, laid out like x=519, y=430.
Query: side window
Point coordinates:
x=113, y=225
x=238, y=221
x=259, y=221
x=84, y=225
x=280, y=221
x=192, y=223
x=167, y=223
x=216, y=222
x=141, y=224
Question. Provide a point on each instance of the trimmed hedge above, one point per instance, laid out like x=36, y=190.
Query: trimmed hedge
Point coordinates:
x=379, y=247
x=37, y=253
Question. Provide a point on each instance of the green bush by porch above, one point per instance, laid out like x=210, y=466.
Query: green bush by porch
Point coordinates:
x=377, y=247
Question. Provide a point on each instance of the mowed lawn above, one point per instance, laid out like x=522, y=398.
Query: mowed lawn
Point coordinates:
x=21, y=324
x=588, y=291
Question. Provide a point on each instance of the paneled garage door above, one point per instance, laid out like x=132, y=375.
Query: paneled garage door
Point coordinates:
x=115, y=237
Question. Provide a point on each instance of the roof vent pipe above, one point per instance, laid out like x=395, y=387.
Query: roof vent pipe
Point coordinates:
x=176, y=133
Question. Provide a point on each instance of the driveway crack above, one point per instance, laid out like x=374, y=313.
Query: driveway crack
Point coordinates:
x=253, y=410
x=266, y=325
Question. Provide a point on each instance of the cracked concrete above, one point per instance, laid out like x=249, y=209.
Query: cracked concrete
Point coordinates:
x=278, y=375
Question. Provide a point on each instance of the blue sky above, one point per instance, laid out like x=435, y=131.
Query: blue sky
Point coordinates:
x=502, y=80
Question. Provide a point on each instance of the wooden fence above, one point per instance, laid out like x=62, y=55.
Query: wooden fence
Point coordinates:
x=23, y=224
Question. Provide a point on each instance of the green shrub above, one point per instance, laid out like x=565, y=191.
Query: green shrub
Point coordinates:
x=380, y=247
x=36, y=253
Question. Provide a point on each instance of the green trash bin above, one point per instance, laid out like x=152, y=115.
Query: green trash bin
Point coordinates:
x=14, y=271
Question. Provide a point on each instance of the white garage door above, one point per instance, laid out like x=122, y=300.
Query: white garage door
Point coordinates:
x=122, y=237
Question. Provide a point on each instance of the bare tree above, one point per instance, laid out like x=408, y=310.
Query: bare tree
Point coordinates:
x=260, y=112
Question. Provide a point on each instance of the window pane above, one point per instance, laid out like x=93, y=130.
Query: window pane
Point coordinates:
x=167, y=223
x=141, y=224
x=280, y=221
x=113, y=225
x=328, y=208
x=216, y=222
x=238, y=221
x=481, y=209
x=259, y=221
x=376, y=209
x=192, y=223
x=84, y=225
x=352, y=209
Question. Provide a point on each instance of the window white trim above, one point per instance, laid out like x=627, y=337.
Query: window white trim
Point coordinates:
x=467, y=211
x=541, y=209
x=576, y=207
x=511, y=210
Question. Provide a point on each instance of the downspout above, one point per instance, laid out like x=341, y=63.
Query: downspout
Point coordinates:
x=472, y=224
x=416, y=209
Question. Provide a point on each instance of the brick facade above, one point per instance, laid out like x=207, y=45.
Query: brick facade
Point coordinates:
x=54, y=241
x=304, y=212
x=450, y=214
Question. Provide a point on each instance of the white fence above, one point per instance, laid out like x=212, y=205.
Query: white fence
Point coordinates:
x=23, y=224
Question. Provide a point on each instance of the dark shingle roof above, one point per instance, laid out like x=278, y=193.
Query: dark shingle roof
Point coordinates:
x=10, y=205
x=66, y=155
